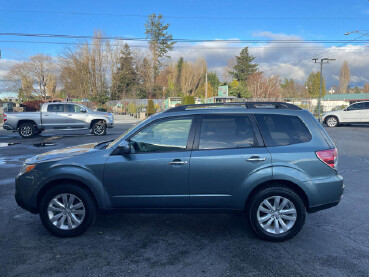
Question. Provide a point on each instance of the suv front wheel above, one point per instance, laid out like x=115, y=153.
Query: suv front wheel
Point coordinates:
x=276, y=213
x=331, y=121
x=67, y=210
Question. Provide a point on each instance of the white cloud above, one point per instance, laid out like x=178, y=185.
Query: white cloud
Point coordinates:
x=5, y=65
x=285, y=59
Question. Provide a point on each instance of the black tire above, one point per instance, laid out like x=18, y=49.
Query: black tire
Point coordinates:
x=99, y=128
x=267, y=193
x=80, y=194
x=27, y=130
x=331, y=121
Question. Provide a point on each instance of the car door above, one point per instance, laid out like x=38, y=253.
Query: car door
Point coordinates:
x=155, y=174
x=353, y=113
x=77, y=116
x=228, y=149
x=55, y=117
x=365, y=113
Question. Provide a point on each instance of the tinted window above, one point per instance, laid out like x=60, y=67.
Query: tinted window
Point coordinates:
x=73, y=108
x=167, y=135
x=226, y=132
x=358, y=106
x=55, y=108
x=278, y=130
x=366, y=105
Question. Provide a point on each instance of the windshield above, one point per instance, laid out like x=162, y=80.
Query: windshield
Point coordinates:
x=87, y=109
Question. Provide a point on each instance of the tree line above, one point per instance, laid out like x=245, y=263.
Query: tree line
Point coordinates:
x=104, y=69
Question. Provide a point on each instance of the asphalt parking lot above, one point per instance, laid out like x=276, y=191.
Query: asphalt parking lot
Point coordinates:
x=333, y=242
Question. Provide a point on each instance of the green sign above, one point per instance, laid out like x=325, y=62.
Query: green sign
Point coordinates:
x=223, y=91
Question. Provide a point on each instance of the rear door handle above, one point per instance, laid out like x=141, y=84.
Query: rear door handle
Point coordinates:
x=177, y=162
x=255, y=159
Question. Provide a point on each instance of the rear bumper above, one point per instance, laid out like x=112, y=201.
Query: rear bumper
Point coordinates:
x=322, y=207
x=326, y=193
x=8, y=127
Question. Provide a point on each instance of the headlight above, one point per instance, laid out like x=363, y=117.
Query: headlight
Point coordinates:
x=26, y=168
x=110, y=116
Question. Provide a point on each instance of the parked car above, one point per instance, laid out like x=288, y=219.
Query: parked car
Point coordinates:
x=271, y=161
x=355, y=113
x=58, y=116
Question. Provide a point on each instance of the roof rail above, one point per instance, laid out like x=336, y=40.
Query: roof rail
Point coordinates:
x=248, y=105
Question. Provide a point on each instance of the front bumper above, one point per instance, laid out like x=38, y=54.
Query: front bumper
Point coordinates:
x=25, y=193
x=110, y=125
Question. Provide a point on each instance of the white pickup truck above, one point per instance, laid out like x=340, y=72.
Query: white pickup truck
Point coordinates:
x=59, y=115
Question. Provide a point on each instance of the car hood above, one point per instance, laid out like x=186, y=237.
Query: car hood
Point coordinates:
x=100, y=113
x=331, y=113
x=62, y=153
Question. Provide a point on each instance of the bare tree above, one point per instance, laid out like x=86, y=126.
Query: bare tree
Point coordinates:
x=262, y=87
x=344, y=77
x=192, y=76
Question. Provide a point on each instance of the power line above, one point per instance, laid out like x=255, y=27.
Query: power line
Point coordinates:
x=176, y=46
x=181, y=16
x=65, y=36
x=324, y=52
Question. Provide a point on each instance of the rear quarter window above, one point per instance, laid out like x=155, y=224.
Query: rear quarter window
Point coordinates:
x=279, y=130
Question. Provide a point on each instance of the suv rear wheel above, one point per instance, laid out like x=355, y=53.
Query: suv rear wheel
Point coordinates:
x=276, y=213
x=67, y=210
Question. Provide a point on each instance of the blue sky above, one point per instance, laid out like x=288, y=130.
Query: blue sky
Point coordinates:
x=223, y=21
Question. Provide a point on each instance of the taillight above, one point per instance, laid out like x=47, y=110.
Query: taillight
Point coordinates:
x=329, y=157
x=5, y=117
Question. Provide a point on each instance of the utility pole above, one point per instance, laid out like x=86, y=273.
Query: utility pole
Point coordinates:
x=206, y=86
x=324, y=60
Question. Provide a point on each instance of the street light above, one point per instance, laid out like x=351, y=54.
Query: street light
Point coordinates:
x=324, y=60
x=356, y=32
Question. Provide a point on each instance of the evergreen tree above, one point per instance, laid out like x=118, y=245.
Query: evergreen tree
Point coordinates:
x=125, y=78
x=313, y=85
x=179, y=75
x=160, y=41
x=213, y=80
x=244, y=66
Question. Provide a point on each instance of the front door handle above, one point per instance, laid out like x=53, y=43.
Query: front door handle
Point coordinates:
x=177, y=162
x=255, y=159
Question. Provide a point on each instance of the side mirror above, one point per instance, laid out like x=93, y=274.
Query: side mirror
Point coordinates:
x=124, y=148
x=82, y=110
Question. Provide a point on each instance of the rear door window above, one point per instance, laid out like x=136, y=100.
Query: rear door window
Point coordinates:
x=279, y=130
x=219, y=132
x=55, y=108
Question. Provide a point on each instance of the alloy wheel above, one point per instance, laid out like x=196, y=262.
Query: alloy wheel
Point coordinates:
x=276, y=215
x=332, y=122
x=26, y=131
x=66, y=211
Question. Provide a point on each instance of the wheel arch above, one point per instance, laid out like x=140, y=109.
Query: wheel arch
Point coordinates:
x=22, y=121
x=95, y=121
x=279, y=182
x=71, y=181
x=333, y=115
